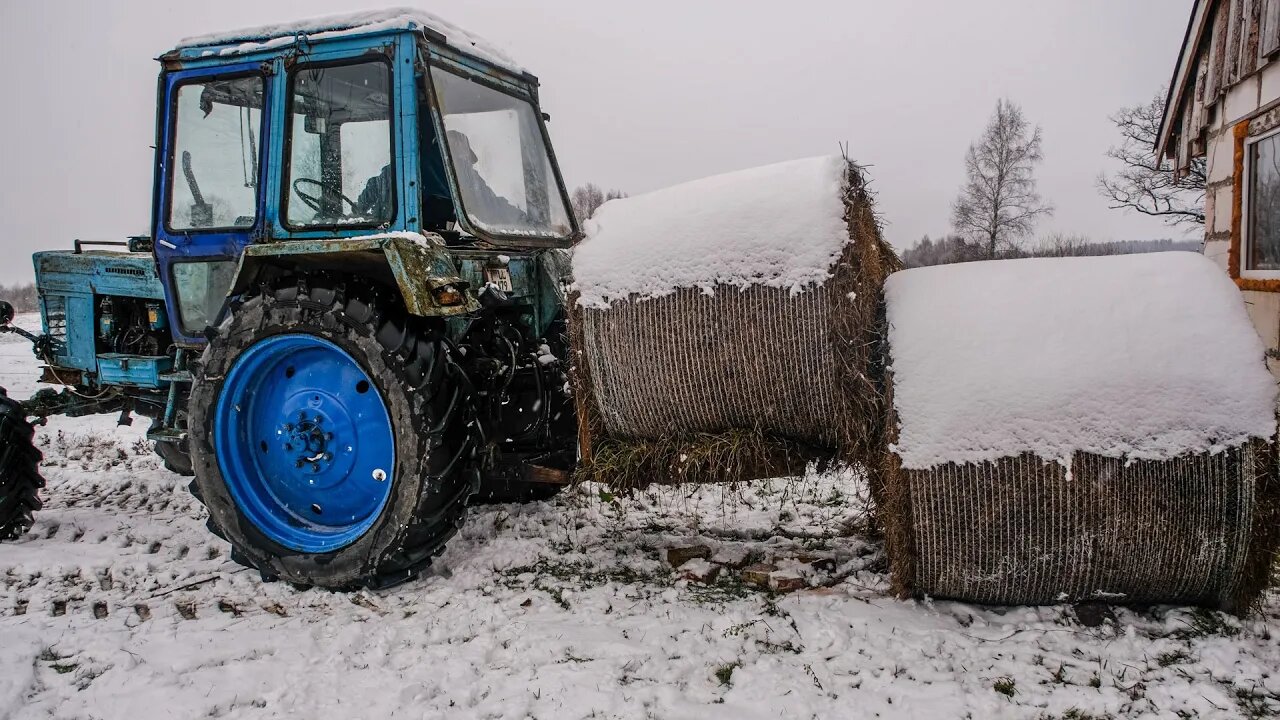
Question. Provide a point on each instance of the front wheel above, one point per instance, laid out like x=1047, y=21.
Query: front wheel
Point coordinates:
x=326, y=433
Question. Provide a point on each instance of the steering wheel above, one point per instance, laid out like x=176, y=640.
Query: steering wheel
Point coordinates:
x=314, y=202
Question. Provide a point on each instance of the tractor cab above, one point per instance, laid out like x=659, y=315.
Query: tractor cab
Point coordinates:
x=355, y=228
x=343, y=128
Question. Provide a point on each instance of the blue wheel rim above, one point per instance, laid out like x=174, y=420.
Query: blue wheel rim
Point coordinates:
x=304, y=442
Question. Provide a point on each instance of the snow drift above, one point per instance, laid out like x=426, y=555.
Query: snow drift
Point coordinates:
x=725, y=328
x=1078, y=427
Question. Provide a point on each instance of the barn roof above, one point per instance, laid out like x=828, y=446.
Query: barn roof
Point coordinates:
x=1183, y=77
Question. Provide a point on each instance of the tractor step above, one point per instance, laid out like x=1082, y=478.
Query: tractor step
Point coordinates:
x=167, y=435
x=178, y=376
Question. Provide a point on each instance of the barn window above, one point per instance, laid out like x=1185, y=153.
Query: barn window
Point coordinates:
x=1263, y=173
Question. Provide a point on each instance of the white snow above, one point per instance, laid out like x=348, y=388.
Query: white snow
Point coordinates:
x=1138, y=356
x=119, y=605
x=265, y=37
x=779, y=226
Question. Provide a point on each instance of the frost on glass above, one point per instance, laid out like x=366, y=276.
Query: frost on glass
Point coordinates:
x=500, y=160
x=214, y=173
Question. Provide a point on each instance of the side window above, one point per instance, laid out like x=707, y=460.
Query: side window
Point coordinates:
x=213, y=172
x=201, y=288
x=1264, y=204
x=339, y=169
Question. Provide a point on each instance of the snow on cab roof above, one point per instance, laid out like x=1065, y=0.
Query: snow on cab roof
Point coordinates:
x=1136, y=356
x=265, y=37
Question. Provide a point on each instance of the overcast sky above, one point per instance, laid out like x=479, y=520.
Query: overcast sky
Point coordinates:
x=642, y=95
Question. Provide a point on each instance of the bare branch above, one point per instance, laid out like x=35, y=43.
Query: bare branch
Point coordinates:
x=1146, y=183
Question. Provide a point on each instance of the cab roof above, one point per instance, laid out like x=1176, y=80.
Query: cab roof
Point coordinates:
x=276, y=36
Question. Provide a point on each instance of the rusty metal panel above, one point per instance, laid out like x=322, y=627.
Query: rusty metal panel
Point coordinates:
x=417, y=267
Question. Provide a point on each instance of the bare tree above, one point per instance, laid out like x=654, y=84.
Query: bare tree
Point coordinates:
x=943, y=251
x=999, y=204
x=586, y=199
x=1145, y=182
x=22, y=296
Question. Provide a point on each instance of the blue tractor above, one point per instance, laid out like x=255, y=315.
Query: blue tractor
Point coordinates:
x=348, y=321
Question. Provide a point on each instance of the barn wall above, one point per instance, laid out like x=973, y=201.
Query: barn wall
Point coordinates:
x=1234, y=96
x=1221, y=233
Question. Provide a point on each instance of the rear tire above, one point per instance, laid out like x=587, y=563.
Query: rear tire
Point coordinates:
x=20, y=480
x=264, y=514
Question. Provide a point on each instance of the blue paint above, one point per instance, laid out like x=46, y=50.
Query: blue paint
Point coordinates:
x=171, y=247
x=305, y=443
x=133, y=370
x=68, y=283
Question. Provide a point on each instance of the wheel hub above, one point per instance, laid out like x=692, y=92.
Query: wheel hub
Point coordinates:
x=310, y=439
x=304, y=442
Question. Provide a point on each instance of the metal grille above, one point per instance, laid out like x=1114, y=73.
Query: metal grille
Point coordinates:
x=55, y=315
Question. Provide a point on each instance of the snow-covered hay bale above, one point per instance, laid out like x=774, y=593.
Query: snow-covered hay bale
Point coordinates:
x=725, y=329
x=1065, y=429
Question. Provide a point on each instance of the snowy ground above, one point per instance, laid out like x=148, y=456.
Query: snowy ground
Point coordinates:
x=118, y=604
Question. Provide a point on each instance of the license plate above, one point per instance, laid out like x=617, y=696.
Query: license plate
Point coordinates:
x=499, y=278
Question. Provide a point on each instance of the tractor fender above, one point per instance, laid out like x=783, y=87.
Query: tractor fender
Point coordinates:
x=419, y=265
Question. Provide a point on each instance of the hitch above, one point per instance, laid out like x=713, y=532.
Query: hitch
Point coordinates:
x=41, y=345
x=6, y=317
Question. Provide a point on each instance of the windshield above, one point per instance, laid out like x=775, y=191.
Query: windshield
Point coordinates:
x=339, y=171
x=500, y=160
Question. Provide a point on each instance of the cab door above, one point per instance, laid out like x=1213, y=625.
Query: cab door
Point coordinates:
x=210, y=174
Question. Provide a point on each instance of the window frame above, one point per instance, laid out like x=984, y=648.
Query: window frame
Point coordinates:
x=436, y=64
x=1246, y=210
x=171, y=163
x=286, y=153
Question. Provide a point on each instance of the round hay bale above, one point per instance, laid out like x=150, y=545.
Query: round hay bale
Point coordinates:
x=726, y=329
x=1078, y=428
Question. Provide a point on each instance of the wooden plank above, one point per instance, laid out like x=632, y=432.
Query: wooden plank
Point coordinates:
x=546, y=475
x=1216, y=82
x=1269, y=40
x=1231, y=70
x=1199, y=117
x=1249, y=47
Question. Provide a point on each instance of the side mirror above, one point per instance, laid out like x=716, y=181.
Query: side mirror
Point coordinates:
x=314, y=124
x=6, y=313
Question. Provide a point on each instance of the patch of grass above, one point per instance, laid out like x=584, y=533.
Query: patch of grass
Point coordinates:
x=1077, y=714
x=1005, y=686
x=1173, y=657
x=698, y=458
x=724, y=673
x=1256, y=703
x=584, y=575
x=1208, y=623
x=55, y=661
